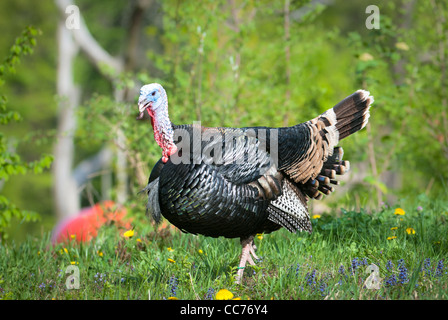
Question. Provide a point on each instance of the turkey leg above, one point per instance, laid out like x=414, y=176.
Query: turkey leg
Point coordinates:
x=248, y=250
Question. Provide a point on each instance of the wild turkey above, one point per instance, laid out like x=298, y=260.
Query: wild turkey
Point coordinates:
x=234, y=182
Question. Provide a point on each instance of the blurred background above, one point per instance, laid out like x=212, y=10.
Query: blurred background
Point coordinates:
x=69, y=138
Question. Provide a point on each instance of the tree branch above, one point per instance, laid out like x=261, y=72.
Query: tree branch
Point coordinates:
x=94, y=52
x=92, y=165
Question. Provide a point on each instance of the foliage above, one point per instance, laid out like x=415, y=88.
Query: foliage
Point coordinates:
x=213, y=71
x=427, y=80
x=11, y=163
x=330, y=263
x=227, y=66
x=401, y=61
x=241, y=63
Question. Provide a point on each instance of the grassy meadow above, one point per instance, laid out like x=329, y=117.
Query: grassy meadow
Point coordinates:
x=226, y=63
x=406, y=242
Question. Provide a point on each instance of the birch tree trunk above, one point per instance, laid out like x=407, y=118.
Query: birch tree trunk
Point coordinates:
x=64, y=186
x=70, y=41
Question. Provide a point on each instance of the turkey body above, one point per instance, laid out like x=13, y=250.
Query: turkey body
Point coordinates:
x=222, y=208
x=216, y=199
x=220, y=199
x=237, y=182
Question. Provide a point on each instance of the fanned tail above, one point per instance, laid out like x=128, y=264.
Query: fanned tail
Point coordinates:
x=347, y=117
x=352, y=113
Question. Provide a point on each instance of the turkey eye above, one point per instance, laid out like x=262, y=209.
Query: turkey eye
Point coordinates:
x=153, y=94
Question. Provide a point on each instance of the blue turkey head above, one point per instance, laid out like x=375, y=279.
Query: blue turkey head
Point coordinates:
x=152, y=97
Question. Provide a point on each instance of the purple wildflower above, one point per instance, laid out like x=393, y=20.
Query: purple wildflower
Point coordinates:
x=389, y=265
x=439, y=269
x=354, y=266
x=209, y=294
x=403, y=276
x=427, y=267
x=311, y=278
x=323, y=286
x=341, y=271
x=391, y=281
x=173, y=283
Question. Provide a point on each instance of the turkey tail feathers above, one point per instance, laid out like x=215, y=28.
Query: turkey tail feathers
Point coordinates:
x=352, y=113
x=347, y=117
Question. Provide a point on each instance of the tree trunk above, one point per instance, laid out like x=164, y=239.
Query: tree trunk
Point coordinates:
x=67, y=181
x=64, y=187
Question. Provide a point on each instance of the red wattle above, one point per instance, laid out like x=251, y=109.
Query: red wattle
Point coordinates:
x=168, y=151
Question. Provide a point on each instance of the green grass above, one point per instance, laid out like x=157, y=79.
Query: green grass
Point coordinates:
x=330, y=263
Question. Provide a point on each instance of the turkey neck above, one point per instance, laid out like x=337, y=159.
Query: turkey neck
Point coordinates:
x=163, y=129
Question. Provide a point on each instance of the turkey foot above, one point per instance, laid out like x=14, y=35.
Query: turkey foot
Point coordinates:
x=248, y=250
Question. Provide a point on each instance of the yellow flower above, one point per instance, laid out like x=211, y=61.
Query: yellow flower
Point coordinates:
x=399, y=212
x=139, y=240
x=171, y=260
x=173, y=298
x=391, y=238
x=316, y=216
x=402, y=46
x=394, y=228
x=38, y=253
x=410, y=231
x=200, y=251
x=365, y=57
x=65, y=250
x=170, y=249
x=259, y=236
x=73, y=236
x=74, y=262
x=100, y=253
x=224, y=294
x=129, y=233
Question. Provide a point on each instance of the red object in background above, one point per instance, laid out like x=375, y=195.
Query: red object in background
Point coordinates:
x=86, y=224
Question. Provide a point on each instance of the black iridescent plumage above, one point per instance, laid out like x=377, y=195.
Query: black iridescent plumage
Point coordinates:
x=259, y=192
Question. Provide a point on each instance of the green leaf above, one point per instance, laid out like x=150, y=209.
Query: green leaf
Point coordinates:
x=10, y=162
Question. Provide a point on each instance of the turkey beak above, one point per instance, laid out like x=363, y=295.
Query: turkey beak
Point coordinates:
x=142, y=106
